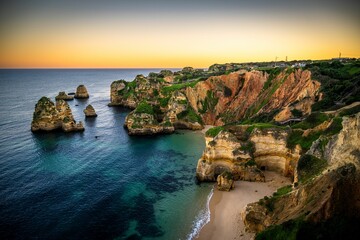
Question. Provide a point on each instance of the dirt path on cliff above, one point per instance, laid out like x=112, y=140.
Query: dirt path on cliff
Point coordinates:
x=354, y=104
x=225, y=207
x=206, y=127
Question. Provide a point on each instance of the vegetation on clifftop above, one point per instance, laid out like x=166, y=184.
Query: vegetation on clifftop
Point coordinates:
x=144, y=107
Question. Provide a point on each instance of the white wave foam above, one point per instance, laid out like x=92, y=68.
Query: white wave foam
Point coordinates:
x=201, y=219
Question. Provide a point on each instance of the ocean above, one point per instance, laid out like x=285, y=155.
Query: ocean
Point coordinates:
x=99, y=184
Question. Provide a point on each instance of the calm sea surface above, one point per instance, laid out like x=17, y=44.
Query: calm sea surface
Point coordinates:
x=79, y=186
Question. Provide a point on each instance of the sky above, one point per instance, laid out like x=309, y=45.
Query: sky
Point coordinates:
x=164, y=34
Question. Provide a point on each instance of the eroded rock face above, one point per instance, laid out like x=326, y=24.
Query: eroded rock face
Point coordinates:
x=64, y=96
x=271, y=152
x=90, y=111
x=227, y=98
x=145, y=124
x=225, y=182
x=48, y=117
x=130, y=94
x=334, y=192
x=81, y=92
x=224, y=153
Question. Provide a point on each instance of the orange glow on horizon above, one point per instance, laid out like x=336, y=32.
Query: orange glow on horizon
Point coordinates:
x=172, y=43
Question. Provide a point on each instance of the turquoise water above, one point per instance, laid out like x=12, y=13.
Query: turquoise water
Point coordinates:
x=99, y=184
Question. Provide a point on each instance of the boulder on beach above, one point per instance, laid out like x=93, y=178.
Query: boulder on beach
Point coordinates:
x=81, y=92
x=225, y=181
x=90, y=111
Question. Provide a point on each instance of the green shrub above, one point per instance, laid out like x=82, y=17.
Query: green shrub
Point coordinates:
x=311, y=121
x=167, y=90
x=295, y=137
x=210, y=102
x=144, y=107
x=269, y=202
x=167, y=124
x=285, y=231
x=248, y=147
x=212, y=132
x=282, y=191
x=190, y=115
x=309, y=166
x=250, y=163
x=337, y=227
x=164, y=101
x=335, y=127
x=296, y=113
x=350, y=111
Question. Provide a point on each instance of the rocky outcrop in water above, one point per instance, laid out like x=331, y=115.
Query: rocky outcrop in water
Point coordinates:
x=64, y=96
x=81, y=92
x=48, y=117
x=142, y=121
x=328, y=185
x=90, y=111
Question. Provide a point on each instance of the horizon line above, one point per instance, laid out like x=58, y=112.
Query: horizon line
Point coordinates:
x=29, y=68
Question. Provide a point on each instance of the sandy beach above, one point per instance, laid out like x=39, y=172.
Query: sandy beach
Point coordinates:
x=225, y=207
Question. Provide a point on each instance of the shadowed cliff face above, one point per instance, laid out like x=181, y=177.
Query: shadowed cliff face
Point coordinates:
x=334, y=192
x=232, y=97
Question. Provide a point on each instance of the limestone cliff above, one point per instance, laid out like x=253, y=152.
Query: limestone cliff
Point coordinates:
x=244, y=149
x=223, y=153
x=279, y=94
x=81, y=92
x=130, y=94
x=328, y=186
x=142, y=121
x=89, y=111
x=48, y=117
x=232, y=97
x=271, y=151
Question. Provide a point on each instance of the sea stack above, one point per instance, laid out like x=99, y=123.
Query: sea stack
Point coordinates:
x=81, y=92
x=63, y=96
x=90, y=111
x=48, y=117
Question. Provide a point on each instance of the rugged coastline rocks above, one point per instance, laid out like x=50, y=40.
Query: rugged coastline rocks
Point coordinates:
x=64, y=96
x=225, y=182
x=271, y=151
x=225, y=153
x=328, y=184
x=90, y=111
x=48, y=117
x=81, y=92
x=189, y=101
x=142, y=121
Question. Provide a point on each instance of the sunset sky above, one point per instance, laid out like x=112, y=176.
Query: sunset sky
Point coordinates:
x=159, y=33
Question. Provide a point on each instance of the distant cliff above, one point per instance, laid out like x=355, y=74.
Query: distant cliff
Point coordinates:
x=189, y=99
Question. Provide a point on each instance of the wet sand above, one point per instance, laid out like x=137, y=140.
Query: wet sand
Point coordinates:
x=225, y=207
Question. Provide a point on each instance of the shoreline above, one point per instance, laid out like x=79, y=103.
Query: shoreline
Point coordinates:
x=225, y=207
